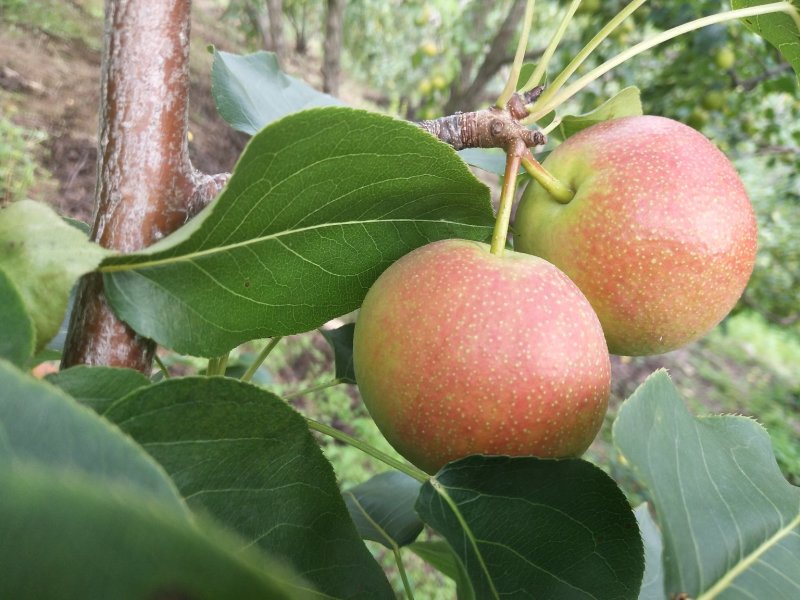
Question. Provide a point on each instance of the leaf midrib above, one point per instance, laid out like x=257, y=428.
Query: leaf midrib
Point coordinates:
x=114, y=268
x=726, y=580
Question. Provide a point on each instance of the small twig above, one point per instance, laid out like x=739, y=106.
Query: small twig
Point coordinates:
x=749, y=84
x=488, y=128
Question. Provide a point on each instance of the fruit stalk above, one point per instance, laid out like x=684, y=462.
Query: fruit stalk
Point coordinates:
x=500, y=233
x=555, y=187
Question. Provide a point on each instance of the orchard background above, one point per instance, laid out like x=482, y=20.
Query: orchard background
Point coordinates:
x=422, y=60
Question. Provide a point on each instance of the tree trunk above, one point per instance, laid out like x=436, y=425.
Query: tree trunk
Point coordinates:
x=146, y=187
x=467, y=97
x=275, y=11
x=331, y=65
x=260, y=24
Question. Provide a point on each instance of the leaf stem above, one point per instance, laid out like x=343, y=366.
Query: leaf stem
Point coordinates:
x=216, y=365
x=313, y=388
x=262, y=356
x=586, y=51
x=555, y=187
x=162, y=367
x=516, y=67
x=500, y=233
x=541, y=67
x=541, y=109
x=369, y=449
x=406, y=584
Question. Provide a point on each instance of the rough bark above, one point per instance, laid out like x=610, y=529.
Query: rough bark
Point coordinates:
x=489, y=128
x=146, y=186
x=331, y=65
x=469, y=96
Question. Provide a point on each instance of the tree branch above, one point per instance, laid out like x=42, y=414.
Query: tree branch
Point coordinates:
x=146, y=186
x=494, y=59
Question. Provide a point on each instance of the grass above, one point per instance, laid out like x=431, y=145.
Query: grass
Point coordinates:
x=19, y=169
x=80, y=21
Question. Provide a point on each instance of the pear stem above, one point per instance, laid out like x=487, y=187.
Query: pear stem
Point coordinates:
x=519, y=57
x=542, y=108
x=555, y=187
x=500, y=234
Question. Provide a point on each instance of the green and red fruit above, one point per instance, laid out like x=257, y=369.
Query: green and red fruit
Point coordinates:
x=660, y=235
x=458, y=351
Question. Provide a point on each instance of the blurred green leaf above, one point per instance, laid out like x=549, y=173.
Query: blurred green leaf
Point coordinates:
x=382, y=509
x=98, y=387
x=242, y=455
x=624, y=104
x=40, y=423
x=730, y=521
x=44, y=257
x=320, y=203
x=64, y=537
x=16, y=341
x=779, y=29
x=653, y=580
x=440, y=556
x=251, y=91
x=341, y=341
x=527, y=527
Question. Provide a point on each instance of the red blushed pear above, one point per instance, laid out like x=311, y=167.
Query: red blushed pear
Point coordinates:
x=660, y=235
x=458, y=351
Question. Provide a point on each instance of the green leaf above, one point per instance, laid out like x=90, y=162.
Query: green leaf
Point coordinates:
x=382, y=509
x=44, y=256
x=491, y=160
x=653, y=580
x=16, y=340
x=625, y=103
x=320, y=203
x=341, y=341
x=65, y=537
x=98, y=387
x=779, y=29
x=527, y=527
x=525, y=73
x=440, y=556
x=730, y=521
x=40, y=423
x=244, y=456
x=251, y=91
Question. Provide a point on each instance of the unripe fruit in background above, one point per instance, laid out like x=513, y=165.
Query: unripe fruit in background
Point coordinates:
x=725, y=58
x=660, y=236
x=714, y=100
x=429, y=49
x=458, y=351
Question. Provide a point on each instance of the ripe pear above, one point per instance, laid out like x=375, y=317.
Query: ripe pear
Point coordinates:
x=458, y=351
x=660, y=235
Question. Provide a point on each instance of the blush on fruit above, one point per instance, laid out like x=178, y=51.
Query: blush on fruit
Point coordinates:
x=660, y=235
x=458, y=351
